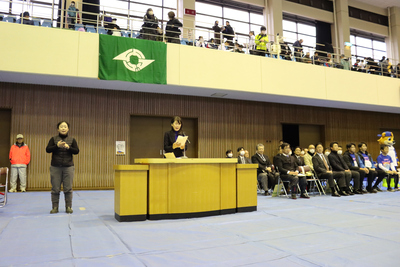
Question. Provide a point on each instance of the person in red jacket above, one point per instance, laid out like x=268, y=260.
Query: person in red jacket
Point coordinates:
x=20, y=157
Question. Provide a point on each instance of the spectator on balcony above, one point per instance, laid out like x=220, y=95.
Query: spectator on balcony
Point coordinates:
x=372, y=66
x=261, y=42
x=72, y=10
x=172, y=30
x=315, y=59
x=307, y=59
x=225, y=46
x=228, y=33
x=201, y=42
x=238, y=48
x=160, y=35
x=252, y=42
x=286, y=52
x=149, y=27
x=217, y=32
x=344, y=61
x=356, y=66
x=26, y=19
x=113, y=28
x=298, y=50
x=211, y=44
x=387, y=71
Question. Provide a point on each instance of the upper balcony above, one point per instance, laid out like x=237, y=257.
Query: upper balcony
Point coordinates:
x=53, y=56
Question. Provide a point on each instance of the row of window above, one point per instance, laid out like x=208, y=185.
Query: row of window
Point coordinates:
x=242, y=21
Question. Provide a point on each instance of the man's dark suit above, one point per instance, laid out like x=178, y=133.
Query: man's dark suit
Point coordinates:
x=267, y=179
x=287, y=164
x=338, y=164
x=322, y=173
x=299, y=160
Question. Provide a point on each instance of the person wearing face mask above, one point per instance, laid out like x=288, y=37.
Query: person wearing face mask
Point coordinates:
x=327, y=152
x=323, y=169
x=170, y=138
x=308, y=156
x=241, y=158
x=72, y=10
x=266, y=177
x=62, y=147
x=261, y=42
x=288, y=170
x=338, y=164
x=229, y=153
x=149, y=27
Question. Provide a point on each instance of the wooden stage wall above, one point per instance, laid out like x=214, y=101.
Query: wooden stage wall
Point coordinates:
x=98, y=118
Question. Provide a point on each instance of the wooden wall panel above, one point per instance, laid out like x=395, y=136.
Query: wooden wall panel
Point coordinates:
x=98, y=118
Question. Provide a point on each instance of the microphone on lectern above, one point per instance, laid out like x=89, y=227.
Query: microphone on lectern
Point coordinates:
x=187, y=139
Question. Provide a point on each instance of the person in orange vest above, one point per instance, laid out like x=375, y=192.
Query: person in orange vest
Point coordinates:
x=20, y=157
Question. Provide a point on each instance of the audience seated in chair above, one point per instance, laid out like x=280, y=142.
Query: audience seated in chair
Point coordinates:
x=288, y=170
x=367, y=162
x=323, y=169
x=352, y=160
x=265, y=173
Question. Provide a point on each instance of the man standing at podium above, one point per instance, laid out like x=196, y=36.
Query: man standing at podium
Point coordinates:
x=170, y=137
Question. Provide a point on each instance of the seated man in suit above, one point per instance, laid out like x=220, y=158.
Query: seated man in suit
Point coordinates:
x=241, y=157
x=324, y=171
x=353, y=160
x=297, y=156
x=367, y=162
x=338, y=164
x=265, y=174
x=287, y=167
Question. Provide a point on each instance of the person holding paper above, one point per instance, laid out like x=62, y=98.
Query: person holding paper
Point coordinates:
x=175, y=140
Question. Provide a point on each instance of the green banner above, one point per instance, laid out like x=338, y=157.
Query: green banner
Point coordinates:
x=133, y=60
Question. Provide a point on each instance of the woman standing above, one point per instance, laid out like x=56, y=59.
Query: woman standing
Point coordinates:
x=170, y=144
x=149, y=27
x=62, y=165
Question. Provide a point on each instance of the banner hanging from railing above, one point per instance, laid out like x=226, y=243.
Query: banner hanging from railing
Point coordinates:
x=133, y=60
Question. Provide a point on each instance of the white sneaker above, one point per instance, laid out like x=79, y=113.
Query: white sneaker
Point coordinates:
x=23, y=190
x=12, y=190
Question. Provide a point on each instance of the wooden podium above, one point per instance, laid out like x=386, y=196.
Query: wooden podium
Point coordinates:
x=183, y=188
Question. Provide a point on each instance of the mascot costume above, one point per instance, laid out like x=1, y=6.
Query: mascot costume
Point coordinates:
x=387, y=138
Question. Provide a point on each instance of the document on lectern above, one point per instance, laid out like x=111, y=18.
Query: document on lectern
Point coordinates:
x=182, y=139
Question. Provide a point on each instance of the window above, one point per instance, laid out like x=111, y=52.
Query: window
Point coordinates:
x=367, y=45
x=242, y=18
x=295, y=29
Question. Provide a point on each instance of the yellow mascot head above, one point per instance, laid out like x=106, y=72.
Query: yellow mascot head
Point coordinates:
x=386, y=138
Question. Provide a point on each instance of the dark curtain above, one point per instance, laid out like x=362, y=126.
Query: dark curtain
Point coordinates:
x=91, y=18
x=324, y=37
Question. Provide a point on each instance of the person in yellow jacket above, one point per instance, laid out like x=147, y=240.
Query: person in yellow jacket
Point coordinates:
x=20, y=157
x=261, y=42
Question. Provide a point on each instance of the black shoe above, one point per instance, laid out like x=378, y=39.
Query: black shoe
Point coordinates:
x=396, y=189
x=335, y=194
x=358, y=192
x=350, y=193
x=377, y=189
x=390, y=189
x=54, y=210
x=294, y=196
x=342, y=193
x=304, y=195
x=373, y=191
x=267, y=193
x=364, y=191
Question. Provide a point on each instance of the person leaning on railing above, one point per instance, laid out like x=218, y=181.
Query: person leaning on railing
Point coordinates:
x=261, y=42
x=298, y=49
x=149, y=27
x=172, y=30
